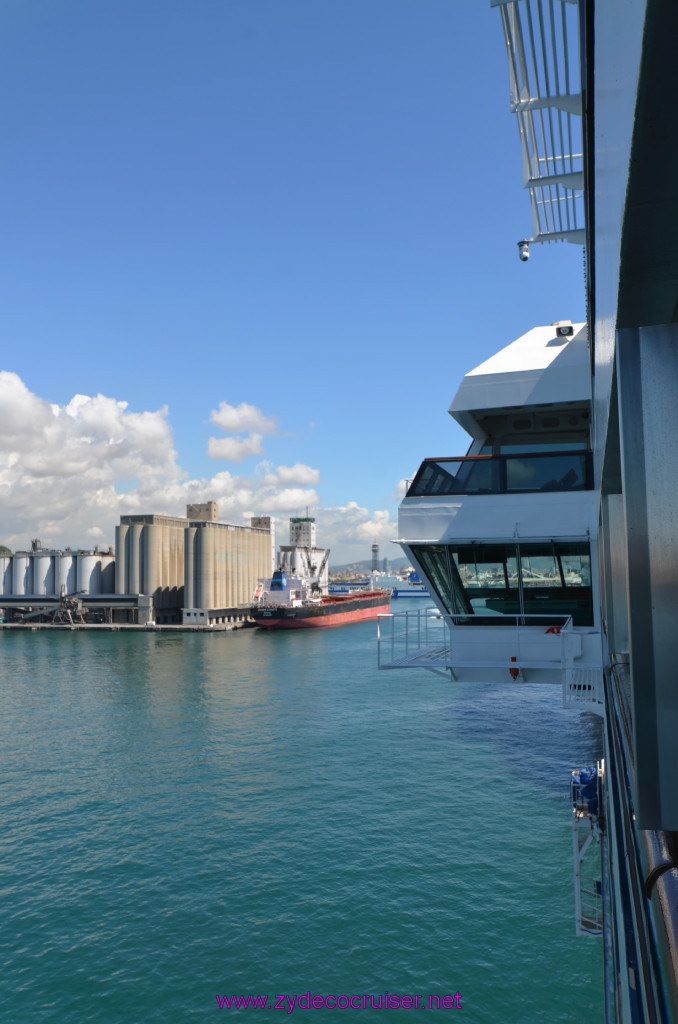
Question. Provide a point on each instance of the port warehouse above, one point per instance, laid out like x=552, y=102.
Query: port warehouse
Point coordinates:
x=173, y=570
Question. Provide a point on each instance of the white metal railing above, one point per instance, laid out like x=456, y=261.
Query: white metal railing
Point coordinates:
x=542, y=43
x=416, y=637
x=503, y=646
x=583, y=688
x=425, y=638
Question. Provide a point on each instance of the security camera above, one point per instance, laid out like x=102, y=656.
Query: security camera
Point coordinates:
x=524, y=250
x=565, y=330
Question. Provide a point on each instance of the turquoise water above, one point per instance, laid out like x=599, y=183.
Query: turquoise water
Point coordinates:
x=192, y=816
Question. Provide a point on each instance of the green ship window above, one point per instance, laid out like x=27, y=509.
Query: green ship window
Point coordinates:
x=491, y=580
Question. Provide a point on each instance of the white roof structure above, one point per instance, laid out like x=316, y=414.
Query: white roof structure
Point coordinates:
x=541, y=368
x=542, y=42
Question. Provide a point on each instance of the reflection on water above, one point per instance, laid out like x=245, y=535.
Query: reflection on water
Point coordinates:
x=252, y=812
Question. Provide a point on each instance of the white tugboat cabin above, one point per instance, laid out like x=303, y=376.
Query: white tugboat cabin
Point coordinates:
x=505, y=536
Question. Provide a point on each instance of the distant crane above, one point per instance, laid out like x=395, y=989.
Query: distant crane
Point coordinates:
x=311, y=569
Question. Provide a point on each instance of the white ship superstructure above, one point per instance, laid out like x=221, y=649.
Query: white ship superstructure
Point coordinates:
x=302, y=557
x=505, y=535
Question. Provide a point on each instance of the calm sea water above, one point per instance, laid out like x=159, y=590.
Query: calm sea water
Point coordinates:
x=192, y=816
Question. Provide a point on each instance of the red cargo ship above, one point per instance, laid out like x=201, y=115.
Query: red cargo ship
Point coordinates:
x=334, y=610
x=295, y=606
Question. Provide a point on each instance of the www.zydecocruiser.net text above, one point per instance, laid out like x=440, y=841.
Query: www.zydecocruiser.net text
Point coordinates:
x=383, y=1001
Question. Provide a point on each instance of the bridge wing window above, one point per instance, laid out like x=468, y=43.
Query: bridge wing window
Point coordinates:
x=433, y=559
x=501, y=447
x=457, y=476
x=557, y=577
x=539, y=566
x=562, y=472
x=511, y=579
x=504, y=474
x=489, y=575
x=576, y=564
x=472, y=578
x=434, y=478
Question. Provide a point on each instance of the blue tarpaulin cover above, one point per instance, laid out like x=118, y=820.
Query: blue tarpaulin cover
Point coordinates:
x=585, y=789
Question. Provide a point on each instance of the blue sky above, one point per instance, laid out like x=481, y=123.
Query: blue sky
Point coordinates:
x=289, y=226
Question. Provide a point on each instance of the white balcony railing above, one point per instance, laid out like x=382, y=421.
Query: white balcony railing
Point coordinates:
x=511, y=648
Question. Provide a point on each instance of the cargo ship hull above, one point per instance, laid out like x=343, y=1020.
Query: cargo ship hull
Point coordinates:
x=333, y=610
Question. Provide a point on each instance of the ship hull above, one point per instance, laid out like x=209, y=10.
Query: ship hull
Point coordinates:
x=333, y=611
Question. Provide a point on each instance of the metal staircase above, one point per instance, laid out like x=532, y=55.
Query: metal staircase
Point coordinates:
x=586, y=835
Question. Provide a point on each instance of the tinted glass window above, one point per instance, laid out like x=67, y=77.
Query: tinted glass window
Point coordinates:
x=539, y=567
x=433, y=559
x=433, y=478
x=489, y=576
x=538, y=579
x=557, y=577
x=546, y=473
x=523, y=448
x=501, y=474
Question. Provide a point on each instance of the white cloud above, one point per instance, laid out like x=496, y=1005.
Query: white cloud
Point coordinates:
x=352, y=523
x=68, y=472
x=351, y=529
x=235, y=449
x=58, y=476
x=377, y=528
x=297, y=474
x=239, y=419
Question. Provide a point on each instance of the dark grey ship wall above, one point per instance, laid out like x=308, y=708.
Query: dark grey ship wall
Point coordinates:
x=632, y=156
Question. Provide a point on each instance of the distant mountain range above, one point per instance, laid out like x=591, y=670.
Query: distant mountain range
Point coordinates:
x=366, y=565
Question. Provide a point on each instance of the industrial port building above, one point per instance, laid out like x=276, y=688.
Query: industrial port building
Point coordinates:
x=166, y=569
x=195, y=569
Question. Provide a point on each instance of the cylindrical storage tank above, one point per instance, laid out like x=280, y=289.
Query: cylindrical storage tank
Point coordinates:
x=152, y=540
x=134, y=572
x=239, y=539
x=89, y=574
x=121, y=541
x=228, y=545
x=199, y=557
x=252, y=566
x=205, y=566
x=176, y=541
x=66, y=579
x=235, y=567
x=43, y=575
x=22, y=582
x=189, y=567
x=107, y=574
x=221, y=568
x=5, y=574
x=52, y=576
